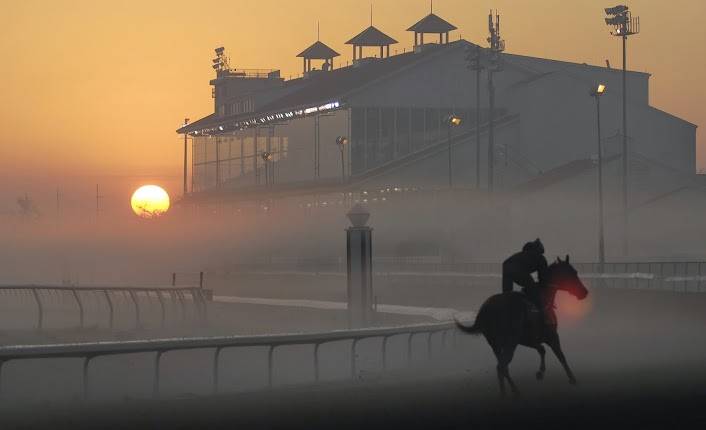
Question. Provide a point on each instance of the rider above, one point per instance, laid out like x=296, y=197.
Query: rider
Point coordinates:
x=518, y=269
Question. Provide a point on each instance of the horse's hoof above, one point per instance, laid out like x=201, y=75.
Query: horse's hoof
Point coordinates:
x=540, y=376
x=573, y=381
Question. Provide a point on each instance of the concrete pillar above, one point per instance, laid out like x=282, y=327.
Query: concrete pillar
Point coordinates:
x=360, y=268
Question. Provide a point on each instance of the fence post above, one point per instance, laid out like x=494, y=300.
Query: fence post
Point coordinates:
x=137, y=308
x=201, y=280
x=80, y=307
x=316, y=361
x=110, y=308
x=86, y=361
x=161, y=305
x=429, y=345
x=384, y=352
x=173, y=279
x=353, y=361
x=40, y=309
x=270, y=365
x=2, y=364
x=155, y=386
x=180, y=296
x=216, y=356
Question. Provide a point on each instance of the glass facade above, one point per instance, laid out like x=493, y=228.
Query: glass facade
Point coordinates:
x=377, y=136
x=234, y=160
x=382, y=134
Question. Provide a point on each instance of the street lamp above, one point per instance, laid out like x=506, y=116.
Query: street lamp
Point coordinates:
x=267, y=156
x=624, y=25
x=342, y=141
x=473, y=60
x=451, y=121
x=596, y=93
x=186, y=135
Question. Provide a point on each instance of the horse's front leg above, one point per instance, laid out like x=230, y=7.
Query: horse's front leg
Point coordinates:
x=542, y=367
x=555, y=345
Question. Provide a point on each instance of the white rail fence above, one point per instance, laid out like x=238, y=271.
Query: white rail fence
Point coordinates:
x=678, y=276
x=106, y=304
x=435, y=337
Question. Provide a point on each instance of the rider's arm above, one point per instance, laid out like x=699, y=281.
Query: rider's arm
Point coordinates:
x=525, y=280
x=542, y=269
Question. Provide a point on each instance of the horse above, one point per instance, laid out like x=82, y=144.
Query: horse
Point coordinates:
x=509, y=319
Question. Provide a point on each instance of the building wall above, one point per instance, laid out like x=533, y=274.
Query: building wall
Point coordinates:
x=402, y=114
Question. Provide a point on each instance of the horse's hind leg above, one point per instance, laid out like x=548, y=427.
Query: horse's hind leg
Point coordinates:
x=501, y=375
x=506, y=358
x=542, y=367
x=555, y=345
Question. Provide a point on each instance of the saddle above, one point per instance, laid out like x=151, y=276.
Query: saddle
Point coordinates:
x=546, y=314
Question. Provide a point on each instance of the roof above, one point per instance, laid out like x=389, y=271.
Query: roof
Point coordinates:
x=318, y=51
x=432, y=24
x=371, y=36
x=330, y=86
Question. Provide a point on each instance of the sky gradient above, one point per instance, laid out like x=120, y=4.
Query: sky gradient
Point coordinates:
x=94, y=87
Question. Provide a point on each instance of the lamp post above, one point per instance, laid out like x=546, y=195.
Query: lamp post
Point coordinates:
x=596, y=93
x=342, y=141
x=497, y=45
x=624, y=25
x=186, y=135
x=451, y=121
x=267, y=157
x=473, y=59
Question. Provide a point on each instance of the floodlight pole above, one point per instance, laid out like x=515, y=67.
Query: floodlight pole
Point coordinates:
x=478, y=70
x=625, y=148
x=186, y=135
x=448, y=129
x=343, y=166
x=497, y=45
x=625, y=25
x=491, y=126
x=601, y=239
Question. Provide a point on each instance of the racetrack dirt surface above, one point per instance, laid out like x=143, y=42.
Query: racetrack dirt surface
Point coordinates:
x=632, y=400
x=639, y=356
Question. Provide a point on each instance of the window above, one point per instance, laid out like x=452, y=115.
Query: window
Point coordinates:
x=403, y=136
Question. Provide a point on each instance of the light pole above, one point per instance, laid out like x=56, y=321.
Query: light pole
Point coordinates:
x=473, y=58
x=624, y=25
x=186, y=135
x=451, y=121
x=596, y=93
x=497, y=45
x=267, y=157
x=342, y=141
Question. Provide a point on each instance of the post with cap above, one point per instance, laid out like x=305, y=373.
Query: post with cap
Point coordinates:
x=360, y=268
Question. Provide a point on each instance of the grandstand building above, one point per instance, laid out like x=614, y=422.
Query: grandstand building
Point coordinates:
x=274, y=138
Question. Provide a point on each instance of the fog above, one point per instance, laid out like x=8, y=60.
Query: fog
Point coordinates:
x=294, y=248
x=78, y=246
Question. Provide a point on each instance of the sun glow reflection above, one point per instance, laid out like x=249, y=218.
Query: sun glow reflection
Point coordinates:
x=570, y=310
x=150, y=201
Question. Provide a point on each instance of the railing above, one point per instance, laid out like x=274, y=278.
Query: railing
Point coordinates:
x=182, y=295
x=89, y=351
x=665, y=275
x=254, y=73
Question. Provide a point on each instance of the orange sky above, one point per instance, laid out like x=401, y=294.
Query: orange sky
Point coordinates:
x=94, y=86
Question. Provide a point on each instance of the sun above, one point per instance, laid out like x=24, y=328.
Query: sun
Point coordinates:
x=150, y=201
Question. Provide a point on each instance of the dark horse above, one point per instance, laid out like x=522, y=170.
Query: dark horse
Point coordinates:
x=509, y=319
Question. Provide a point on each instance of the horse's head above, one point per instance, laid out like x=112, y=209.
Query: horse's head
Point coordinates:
x=563, y=276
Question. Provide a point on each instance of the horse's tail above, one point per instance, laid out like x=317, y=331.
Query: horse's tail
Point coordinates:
x=475, y=329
